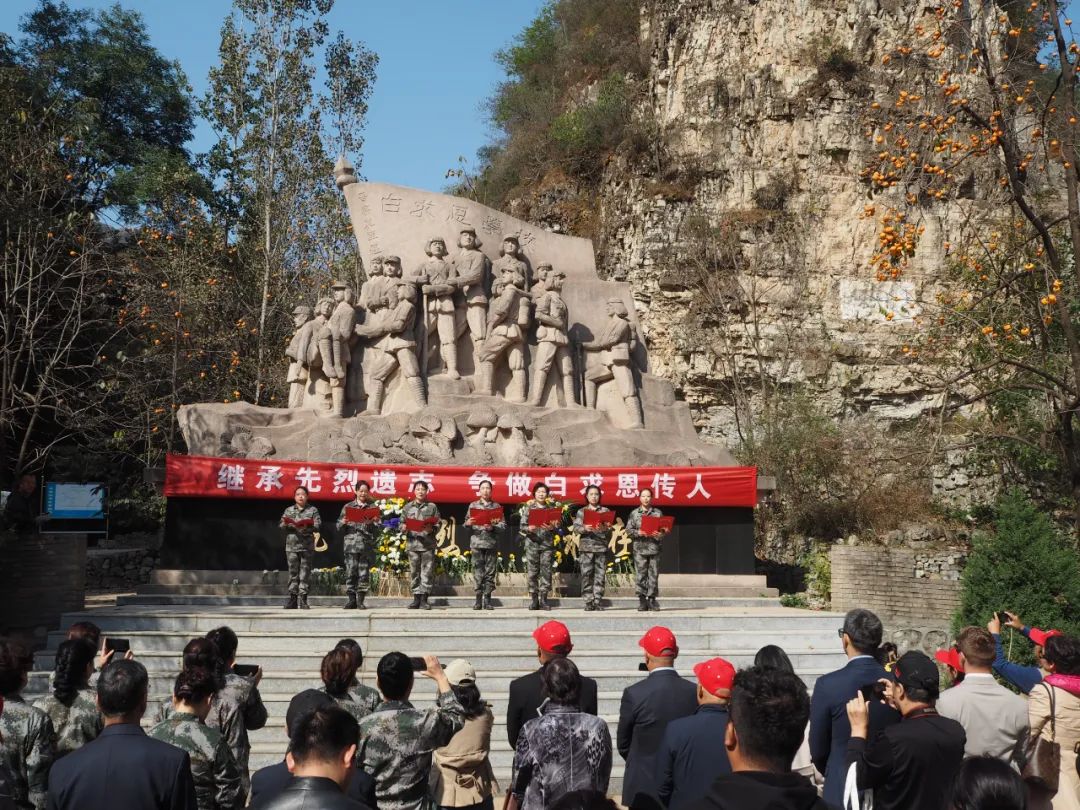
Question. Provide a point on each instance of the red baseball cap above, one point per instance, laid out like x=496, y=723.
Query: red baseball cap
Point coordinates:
x=715, y=676
x=659, y=642
x=1040, y=636
x=553, y=637
x=950, y=658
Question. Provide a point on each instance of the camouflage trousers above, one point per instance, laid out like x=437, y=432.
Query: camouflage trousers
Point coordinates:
x=485, y=563
x=593, y=566
x=421, y=570
x=647, y=574
x=538, y=561
x=358, y=564
x=299, y=571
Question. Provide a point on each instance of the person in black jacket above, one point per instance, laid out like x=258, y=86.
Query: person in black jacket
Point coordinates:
x=268, y=783
x=911, y=765
x=769, y=710
x=123, y=767
x=526, y=698
x=646, y=709
x=322, y=755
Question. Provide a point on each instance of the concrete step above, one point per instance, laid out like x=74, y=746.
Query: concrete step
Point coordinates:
x=248, y=621
x=273, y=597
x=376, y=643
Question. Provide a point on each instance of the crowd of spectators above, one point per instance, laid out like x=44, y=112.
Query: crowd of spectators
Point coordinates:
x=879, y=732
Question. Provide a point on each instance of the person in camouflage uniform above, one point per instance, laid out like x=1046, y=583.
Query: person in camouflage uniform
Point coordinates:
x=26, y=733
x=482, y=545
x=646, y=552
x=238, y=707
x=539, y=551
x=592, y=551
x=339, y=677
x=218, y=784
x=421, y=545
x=363, y=694
x=397, y=741
x=72, y=707
x=361, y=541
x=299, y=546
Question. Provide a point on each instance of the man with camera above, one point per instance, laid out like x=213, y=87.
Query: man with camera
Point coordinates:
x=910, y=765
x=397, y=740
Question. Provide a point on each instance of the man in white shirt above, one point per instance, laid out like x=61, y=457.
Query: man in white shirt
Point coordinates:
x=995, y=719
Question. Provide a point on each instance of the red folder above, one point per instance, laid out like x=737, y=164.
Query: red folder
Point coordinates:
x=538, y=518
x=302, y=523
x=650, y=524
x=356, y=514
x=420, y=525
x=595, y=519
x=485, y=517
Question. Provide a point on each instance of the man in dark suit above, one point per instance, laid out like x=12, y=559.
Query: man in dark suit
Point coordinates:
x=268, y=783
x=526, y=698
x=123, y=767
x=322, y=759
x=646, y=709
x=692, y=753
x=829, y=726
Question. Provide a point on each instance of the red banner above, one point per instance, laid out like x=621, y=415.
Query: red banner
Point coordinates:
x=201, y=477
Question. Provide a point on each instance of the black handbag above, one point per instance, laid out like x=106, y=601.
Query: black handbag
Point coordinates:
x=1042, y=757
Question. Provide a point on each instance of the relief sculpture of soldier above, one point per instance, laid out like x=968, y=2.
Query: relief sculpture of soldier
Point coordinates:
x=296, y=351
x=613, y=348
x=438, y=282
x=551, y=339
x=508, y=316
x=392, y=336
x=473, y=270
x=317, y=393
x=335, y=340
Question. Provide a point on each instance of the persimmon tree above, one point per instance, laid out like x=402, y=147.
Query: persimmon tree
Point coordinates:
x=974, y=147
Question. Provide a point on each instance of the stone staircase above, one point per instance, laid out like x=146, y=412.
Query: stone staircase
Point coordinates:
x=290, y=646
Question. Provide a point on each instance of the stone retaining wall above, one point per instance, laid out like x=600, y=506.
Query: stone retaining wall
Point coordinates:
x=41, y=577
x=915, y=592
x=119, y=569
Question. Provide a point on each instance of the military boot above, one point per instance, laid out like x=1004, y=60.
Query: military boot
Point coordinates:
x=515, y=391
x=482, y=379
x=487, y=602
x=449, y=353
x=633, y=410
x=290, y=603
x=535, y=604
x=568, y=391
x=590, y=606
x=350, y=602
x=544, y=603
x=424, y=603
x=415, y=603
x=653, y=604
x=417, y=386
x=479, y=604
x=303, y=602
x=360, y=601
x=643, y=604
x=376, y=391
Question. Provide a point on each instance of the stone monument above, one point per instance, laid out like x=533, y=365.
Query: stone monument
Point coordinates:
x=513, y=299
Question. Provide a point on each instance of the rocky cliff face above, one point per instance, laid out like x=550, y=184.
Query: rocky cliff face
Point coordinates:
x=756, y=113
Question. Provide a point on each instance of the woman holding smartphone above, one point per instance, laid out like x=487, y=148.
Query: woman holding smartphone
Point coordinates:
x=593, y=524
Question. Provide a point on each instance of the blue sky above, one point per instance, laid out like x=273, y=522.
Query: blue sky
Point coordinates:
x=436, y=68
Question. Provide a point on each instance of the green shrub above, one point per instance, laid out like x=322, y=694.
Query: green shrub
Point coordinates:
x=1025, y=566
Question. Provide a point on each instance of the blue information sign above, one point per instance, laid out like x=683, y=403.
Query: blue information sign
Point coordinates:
x=75, y=501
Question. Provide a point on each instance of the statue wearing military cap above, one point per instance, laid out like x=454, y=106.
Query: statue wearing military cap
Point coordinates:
x=473, y=278
x=438, y=282
x=613, y=348
x=551, y=338
x=336, y=340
